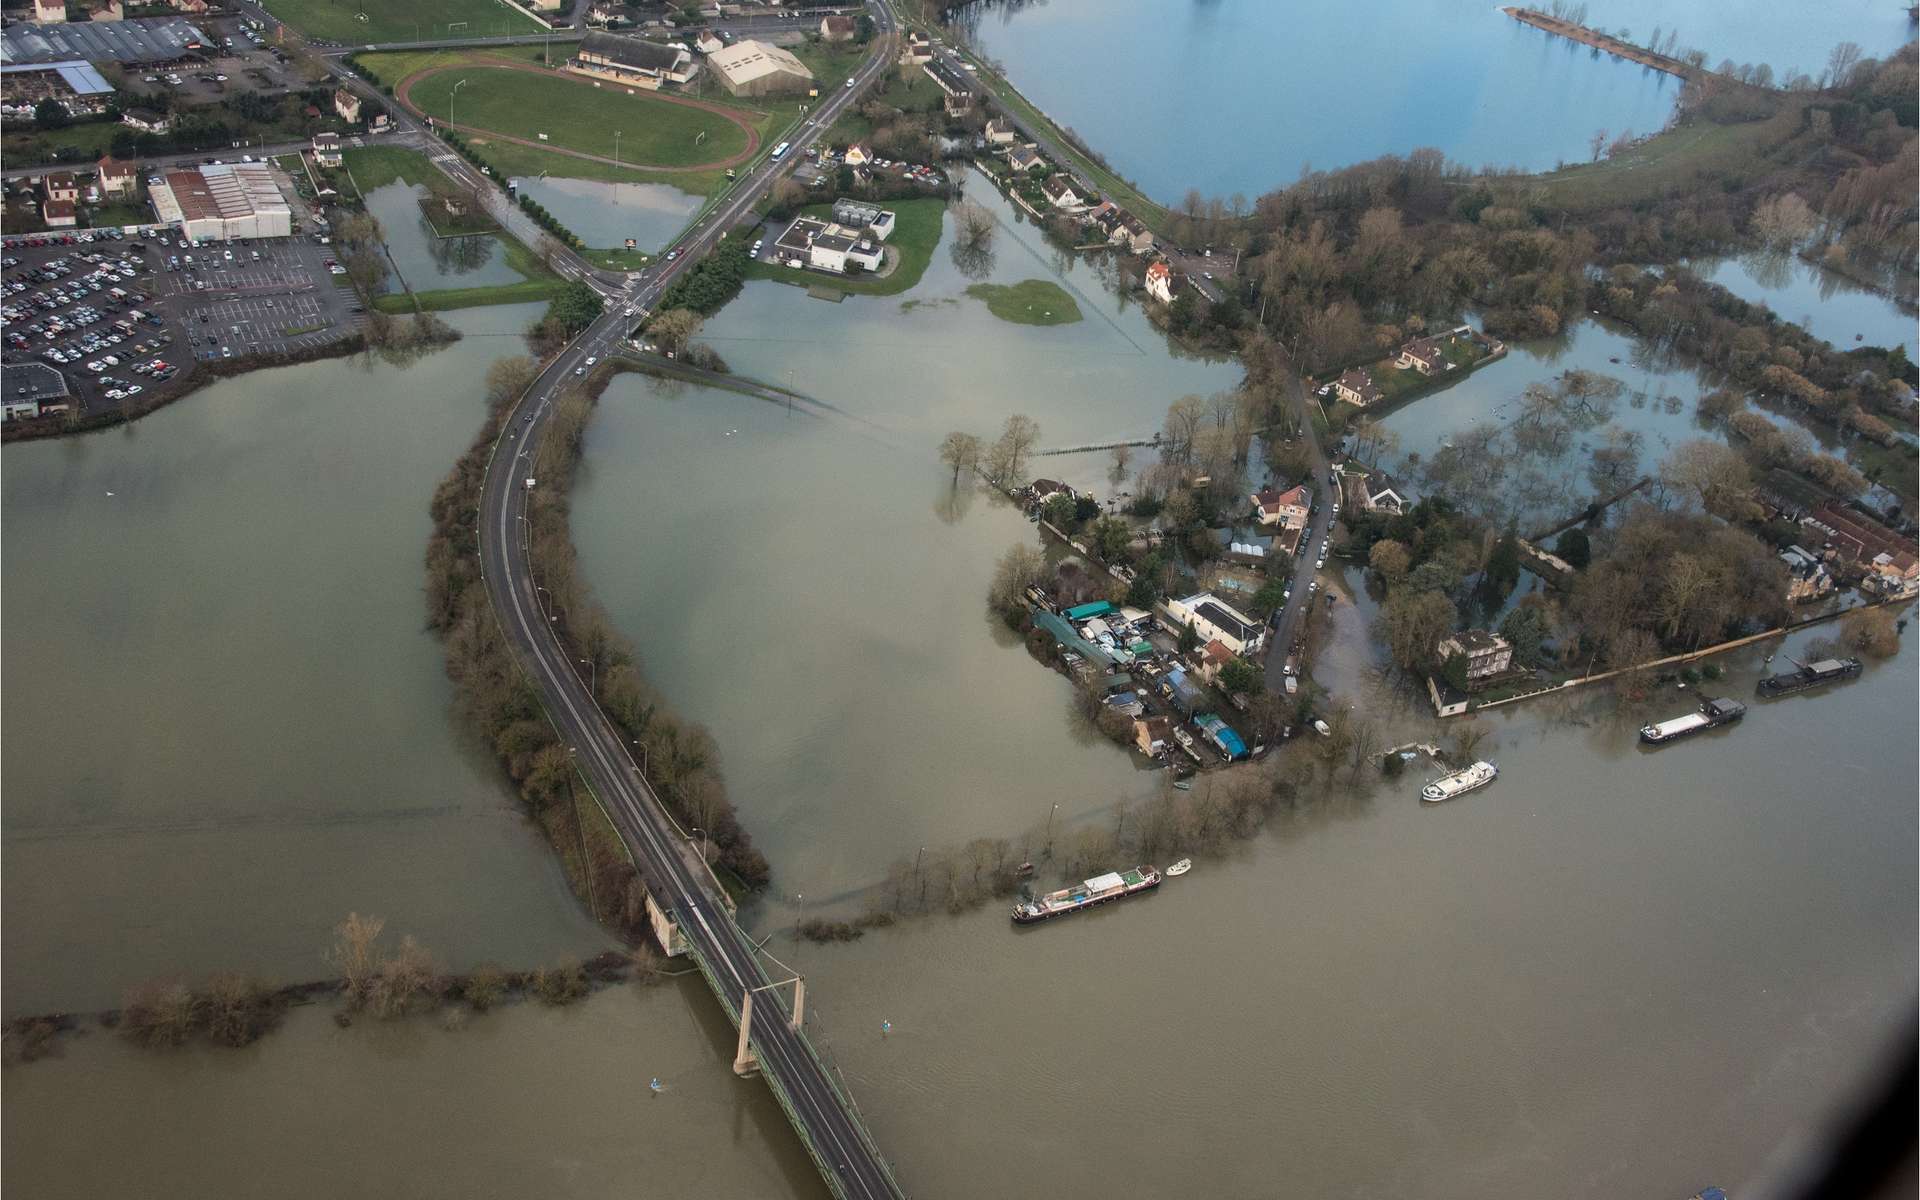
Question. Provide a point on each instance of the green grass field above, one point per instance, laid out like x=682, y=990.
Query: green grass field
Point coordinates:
x=376, y=166
x=641, y=128
x=416, y=20
x=916, y=232
x=1671, y=162
x=1029, y=302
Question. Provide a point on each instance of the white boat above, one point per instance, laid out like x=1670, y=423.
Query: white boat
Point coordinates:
x=1459, y=783
x=1181, y=867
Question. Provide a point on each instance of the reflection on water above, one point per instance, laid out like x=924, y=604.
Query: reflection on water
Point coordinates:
x=524, y=1101
x=425, y=260
x=605, y=214
x=226, y=726
x=1827, y=305
x=1187, y=95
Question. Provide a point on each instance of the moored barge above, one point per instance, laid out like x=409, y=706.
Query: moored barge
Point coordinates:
x=1459, y=783
x=1711, y=713
x=1114, y=885
x=1810, y=675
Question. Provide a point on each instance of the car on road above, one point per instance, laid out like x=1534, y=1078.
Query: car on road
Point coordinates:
x=579, y=370
x=591, y=359
x=1320, y=564
x=849, y=85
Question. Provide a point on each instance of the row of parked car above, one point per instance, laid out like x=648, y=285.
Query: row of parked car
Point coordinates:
x=85, y=237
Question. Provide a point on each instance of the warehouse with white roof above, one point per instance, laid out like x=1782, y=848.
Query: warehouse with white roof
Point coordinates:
x=222, y=201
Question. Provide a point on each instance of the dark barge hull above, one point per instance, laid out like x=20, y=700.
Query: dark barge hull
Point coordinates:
x=1787, y=685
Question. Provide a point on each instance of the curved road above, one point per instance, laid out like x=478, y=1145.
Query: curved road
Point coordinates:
x=850, y=1161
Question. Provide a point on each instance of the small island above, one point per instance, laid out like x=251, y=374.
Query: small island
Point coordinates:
x=1029, y=302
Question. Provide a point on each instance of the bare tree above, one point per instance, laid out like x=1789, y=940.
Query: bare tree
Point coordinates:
x=961, y=451
x=354, y=956
x=1017, y=438
x=1841, y=64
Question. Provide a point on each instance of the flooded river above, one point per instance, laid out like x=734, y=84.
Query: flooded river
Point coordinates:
x=1612, y=973
x=226, y=725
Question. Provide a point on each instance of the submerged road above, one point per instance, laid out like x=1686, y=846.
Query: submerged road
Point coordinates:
x=824, y=1117
x=1286, y=623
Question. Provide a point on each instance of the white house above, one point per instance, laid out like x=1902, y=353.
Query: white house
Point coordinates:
x=1487, y=654
x=999, y=132
x=1164, y=283
x=1357, y=387
x=1058, y=189
x=1214, y=620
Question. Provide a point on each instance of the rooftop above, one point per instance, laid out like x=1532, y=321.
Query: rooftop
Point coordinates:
x=34, y=381
x=637, y=53
x=77, y=74
x=155, y=39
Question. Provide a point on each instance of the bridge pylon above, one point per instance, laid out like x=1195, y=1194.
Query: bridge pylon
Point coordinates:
x=744, y=1061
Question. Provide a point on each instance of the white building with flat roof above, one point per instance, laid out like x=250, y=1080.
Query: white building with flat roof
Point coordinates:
x=753, y=68
x=222, y=201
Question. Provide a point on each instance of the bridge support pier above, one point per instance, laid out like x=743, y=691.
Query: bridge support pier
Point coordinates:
x=744, y=1063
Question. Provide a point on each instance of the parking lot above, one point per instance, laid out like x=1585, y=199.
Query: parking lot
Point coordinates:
x=124, y=320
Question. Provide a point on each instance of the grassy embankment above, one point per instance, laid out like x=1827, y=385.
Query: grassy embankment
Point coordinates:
x=1398, y=387
x=916, y=233
x=415, y=20
x=1116, y=189
x=376, y=166
x=1029, y=302
x=1685, y=157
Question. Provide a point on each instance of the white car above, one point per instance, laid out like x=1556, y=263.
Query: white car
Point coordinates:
x=591, y=360
x=1321, y=563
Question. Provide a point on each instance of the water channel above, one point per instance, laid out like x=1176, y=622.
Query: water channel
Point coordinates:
x=1240, y=95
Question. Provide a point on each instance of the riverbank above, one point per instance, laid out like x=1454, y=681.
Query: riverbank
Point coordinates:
x=204, y=374
x=1575, y=32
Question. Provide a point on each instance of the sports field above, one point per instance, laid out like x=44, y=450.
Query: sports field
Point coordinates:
x=574, y=115
x=387, y=21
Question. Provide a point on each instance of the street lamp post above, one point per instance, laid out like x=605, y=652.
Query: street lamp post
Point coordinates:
x=450, y=98
x=593, y=674
x=703, y=841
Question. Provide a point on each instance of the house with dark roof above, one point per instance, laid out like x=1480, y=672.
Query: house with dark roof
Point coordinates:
x=634, y=61
x=999, y=132
x=1889, y=560
x=1024, y=158
x=1807, y=576
x=1357, y=387
x=1424, y=355
x=1058, y=189
x=1487, y=655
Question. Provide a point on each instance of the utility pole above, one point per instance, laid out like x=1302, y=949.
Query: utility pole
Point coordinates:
x=1050, y=812
x=450, y=98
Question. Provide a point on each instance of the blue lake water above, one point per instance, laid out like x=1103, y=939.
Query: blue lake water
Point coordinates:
x=1239, y=95
x=604, y=215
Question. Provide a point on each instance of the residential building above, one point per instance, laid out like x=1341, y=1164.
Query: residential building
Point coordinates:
x=109, y=10
x=1488, y=655
x=347, y=105
x=59, y=214
x=61, y=185
x=917, y=50
x=1214, y=619
x=1043, y=490
x=1807, y=576
x=838, y=29
x=326, y=149
x=1024, y=158
x=854, y=215
x=1153, y=735
x=709, y=42
x=1357, y=387
x=1877, y=550
x=1164, y=283
x=1288, y=508
x=1214, y=656
x=1424, y=355
x=999, y=132
x=1374, y=491
x=49, y=12
x=1134, y=234
x=632, y=61
x=1058, y=189
x=858, y=154
x=754, y=68
x=117, y=178
x=146, y=120
x=609, y=12
x=221, y=201
x=378, y=123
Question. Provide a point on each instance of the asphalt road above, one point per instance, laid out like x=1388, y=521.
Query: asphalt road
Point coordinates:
x=1313, y=543
x=678, y=880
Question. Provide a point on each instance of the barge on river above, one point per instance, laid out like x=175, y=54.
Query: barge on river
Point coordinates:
x=1810, y=675
x=1711, y=713
x=1460, y=783
x=1114, y=885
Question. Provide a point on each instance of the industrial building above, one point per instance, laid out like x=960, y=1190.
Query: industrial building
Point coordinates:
x=74, y=83
x=633, y=61
x=223, y=201
x=140, y=42
x=753, y=68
